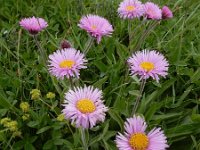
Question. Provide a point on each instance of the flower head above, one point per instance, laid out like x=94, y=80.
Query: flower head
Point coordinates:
x=96, y=26
x=17, y=134
x=148, y=64
x=25, y=117
x=66, y=63
x=166, y=13
x=24, y=106
x=4, y=121
x=135, y=137
x=33, y=25
x=50, y=95
x=152, y=11
x=131, y=9
x=12, y=126
x=84, y=107
x=35, y=94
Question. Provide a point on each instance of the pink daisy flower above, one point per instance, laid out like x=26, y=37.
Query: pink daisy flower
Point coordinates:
x=84, y=107
x=131, y=9
x=152, y=11
x=148, y=64
x=166, y=13
x=33, y=25
x=96, y=26
x=135, y=137
x=66, y=63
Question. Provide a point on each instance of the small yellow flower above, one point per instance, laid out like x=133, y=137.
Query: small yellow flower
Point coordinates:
x=12, y=125
x=35, y=94
x=25, y=117
x=4, y=121
x=17, y=134
x=24, y=106
x=50, y=95
x=61, y=117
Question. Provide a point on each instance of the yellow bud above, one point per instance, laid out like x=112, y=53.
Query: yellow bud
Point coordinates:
x=35, y=94
x=4, y=121
x=25, y=117
x=50, y=95
x=17, y=134
x=61, y=117
x=24, y=106
x=12, y=126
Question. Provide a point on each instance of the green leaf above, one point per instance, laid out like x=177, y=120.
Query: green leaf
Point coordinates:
x=134, y=92
x=166, y=116
x=151, y=111
x=114, y=115
x=28, y=146
x=195, y=118
x=101, y=66
x=183, y=130
x=48, y=145
x=99, y=83
x=4, y=101
x=59, y=141
x=43, y=129
x=33, y=124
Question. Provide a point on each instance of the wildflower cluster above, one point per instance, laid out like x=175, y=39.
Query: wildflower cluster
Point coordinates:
x=84, y=105
x=11, y=125
x=130, y=9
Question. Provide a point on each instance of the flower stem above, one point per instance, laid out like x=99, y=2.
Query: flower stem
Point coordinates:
x=135, y=29
x=18, y=58
x=88, y=45
x=42, y=53
x=144, y=35
x=139, y=96
x=129, y=33
x=71, y=83
x=55, y=83
x=83, y=138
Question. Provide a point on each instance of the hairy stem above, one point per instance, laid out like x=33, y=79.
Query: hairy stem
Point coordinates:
x=42, y=53
x=144, y=35
x=88, y=45
x=83, y=138
x=139, y=96
x=129, y=33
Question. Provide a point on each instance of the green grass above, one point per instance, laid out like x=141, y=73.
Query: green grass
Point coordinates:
x=172, y=104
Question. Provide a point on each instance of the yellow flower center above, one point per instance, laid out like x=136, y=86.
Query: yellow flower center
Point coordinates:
x=139, y=141
x=85, y=106
x=67, y=64
x=130, y=8
x=93, y=27
x=148, y=66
